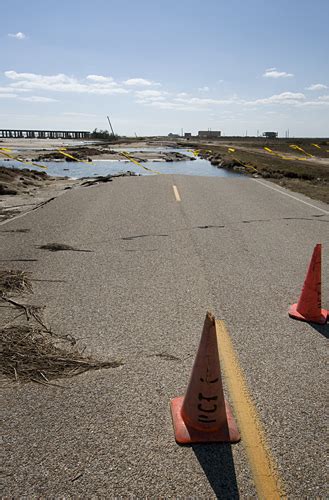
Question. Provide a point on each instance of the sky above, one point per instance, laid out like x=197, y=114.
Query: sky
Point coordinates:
x=160, y=66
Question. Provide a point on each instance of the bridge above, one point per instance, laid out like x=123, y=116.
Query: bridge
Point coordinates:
x=43, y=134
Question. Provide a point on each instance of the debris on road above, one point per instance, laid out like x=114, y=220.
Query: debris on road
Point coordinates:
x=58, y=247
x=30, y=354
x=13, y=281
x=105, y=178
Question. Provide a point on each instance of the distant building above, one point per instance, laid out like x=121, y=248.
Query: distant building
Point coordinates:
x=270, y=135
x=209, y=134
x=173, y=136
x=187, y=135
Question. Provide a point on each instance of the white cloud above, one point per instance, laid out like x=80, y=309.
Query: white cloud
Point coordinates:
x=283, y=98
x=140, y=82
x=316, y=104
x=296, y=99
x=151, y=97
x=181, y=102
x=35, y=98
x=100, y=78
x=203, y=89
x=149, y=94
x=324, y=98
x=198, y=101
x=63, y=83
x=18, y=36
x=7, y=95
x=274, y=73
x=174, y=106
x=317, y=86
x=9, y=89
x=78, y=114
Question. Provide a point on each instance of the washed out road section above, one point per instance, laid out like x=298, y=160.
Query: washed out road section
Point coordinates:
x=140, y=295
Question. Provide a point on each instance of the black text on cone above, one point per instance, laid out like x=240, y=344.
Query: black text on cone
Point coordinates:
x=203, y=415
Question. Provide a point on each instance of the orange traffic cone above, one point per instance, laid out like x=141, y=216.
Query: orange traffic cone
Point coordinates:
x=308, y=307
x=203, y=415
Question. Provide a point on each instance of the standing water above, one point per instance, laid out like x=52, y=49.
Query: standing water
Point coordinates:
x=105, y=167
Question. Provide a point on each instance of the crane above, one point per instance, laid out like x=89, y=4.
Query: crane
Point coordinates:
x=108, y=119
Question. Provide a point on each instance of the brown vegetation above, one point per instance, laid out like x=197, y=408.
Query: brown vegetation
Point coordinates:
x=29, y=350
x=286, y=165
x=29, y=354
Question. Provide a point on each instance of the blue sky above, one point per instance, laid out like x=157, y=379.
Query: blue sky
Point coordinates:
x=158, y=66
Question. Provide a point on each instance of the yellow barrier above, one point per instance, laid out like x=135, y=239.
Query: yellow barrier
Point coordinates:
x=2, y=151
x=61, y=150
x=125, y=155
x=298, y=148
x=245, y=165
x=287, y=158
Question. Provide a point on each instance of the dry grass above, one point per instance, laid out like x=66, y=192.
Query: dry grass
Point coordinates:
x=14, y=281
x=31, y=354
x=29, y=350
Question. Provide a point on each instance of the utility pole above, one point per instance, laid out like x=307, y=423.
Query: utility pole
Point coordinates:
x=108, y=119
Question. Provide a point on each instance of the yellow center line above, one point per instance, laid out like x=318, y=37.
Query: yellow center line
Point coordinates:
x=176, y=193
x=267, y=481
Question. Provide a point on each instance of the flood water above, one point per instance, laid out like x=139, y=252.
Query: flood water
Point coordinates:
x=104, y=167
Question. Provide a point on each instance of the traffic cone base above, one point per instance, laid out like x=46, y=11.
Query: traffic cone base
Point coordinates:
x=321, y=317
x=184, y=434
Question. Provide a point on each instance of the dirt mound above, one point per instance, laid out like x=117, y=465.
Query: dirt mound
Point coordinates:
x=16, y=181
x=82, y=153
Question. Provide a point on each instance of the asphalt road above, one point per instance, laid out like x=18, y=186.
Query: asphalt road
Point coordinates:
x=235, y=247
